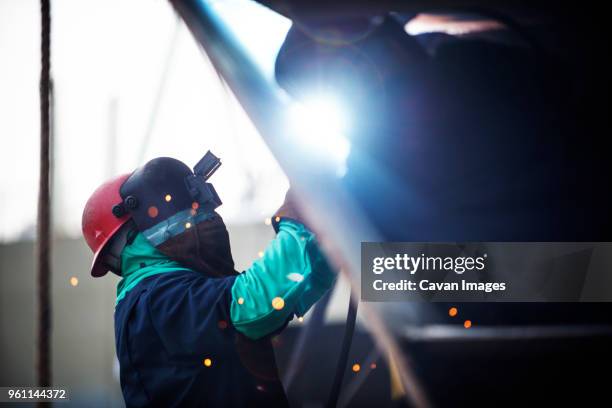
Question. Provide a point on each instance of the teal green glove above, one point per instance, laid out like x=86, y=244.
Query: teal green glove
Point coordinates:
x=288, y=279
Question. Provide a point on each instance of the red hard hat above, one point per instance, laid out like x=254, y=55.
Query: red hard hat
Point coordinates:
x=99, y=223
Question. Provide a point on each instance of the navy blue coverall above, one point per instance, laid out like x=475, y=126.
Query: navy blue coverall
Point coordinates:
x=168, y=325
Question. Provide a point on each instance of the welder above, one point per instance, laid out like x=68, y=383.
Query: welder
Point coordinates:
x=189, y=329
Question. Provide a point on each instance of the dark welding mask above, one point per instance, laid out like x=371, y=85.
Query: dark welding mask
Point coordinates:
x=174, y=208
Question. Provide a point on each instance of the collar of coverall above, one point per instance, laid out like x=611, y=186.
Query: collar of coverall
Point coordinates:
x=140, y=260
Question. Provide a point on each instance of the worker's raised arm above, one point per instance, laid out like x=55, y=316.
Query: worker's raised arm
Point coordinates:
x=288, y=279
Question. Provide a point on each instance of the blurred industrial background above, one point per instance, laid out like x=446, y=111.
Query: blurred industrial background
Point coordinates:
x=130, y=84
x=480, y=124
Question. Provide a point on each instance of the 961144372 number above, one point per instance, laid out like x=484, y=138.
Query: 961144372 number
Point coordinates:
x=33, y=394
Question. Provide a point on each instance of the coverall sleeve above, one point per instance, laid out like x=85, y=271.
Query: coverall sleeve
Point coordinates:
x=288, y=279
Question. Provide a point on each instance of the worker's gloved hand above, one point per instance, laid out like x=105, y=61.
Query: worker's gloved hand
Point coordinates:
x=288, y=210
x=290, y=276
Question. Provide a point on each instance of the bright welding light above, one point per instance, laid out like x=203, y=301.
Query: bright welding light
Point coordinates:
x=321, y=125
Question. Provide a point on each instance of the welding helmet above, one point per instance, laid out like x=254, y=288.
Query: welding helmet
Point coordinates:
x=174, y=208
x=164, y=197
